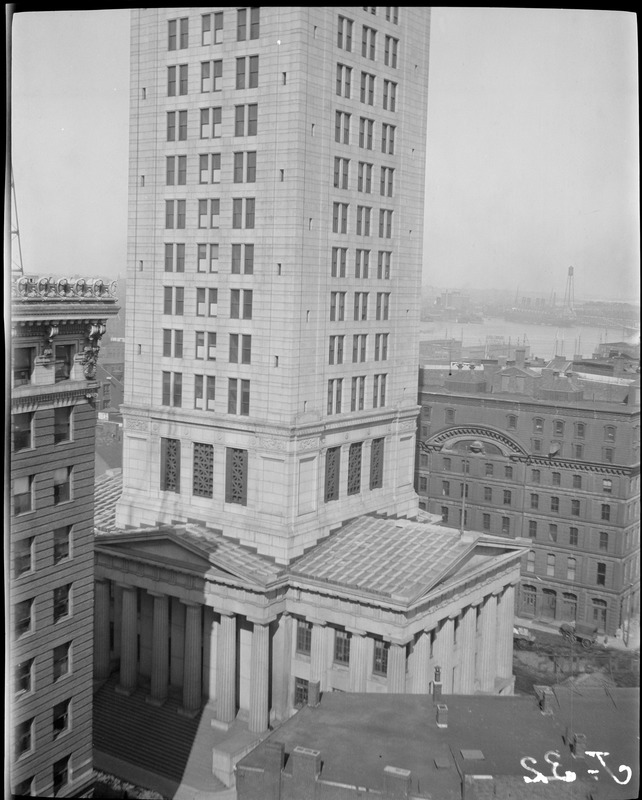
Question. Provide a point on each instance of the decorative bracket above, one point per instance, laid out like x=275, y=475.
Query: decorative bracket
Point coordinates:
x=92, y=348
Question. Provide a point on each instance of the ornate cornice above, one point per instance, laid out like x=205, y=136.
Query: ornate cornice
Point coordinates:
x=585, y=409
x=577, y=466
x=29, y=288
x=53, y=395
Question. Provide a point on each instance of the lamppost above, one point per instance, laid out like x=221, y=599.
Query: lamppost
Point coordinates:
x=476, y=448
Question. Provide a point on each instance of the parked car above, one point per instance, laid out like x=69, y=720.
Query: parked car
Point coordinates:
x=523, y=637
x=581, y=632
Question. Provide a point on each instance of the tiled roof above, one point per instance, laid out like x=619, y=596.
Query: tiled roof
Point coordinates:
x=395, y=558
x=225, y=555
x=106, y=493
x=228, y=553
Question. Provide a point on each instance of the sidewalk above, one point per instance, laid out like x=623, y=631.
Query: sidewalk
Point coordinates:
x=615, y=642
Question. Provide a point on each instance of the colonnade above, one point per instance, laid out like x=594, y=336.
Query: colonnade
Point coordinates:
x=472, y=645
x=225, y=690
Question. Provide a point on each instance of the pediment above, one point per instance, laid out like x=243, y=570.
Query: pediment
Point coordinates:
x=166, y=551
x=481, y=554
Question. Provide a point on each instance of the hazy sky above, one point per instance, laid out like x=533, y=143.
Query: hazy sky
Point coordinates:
x=532, y=147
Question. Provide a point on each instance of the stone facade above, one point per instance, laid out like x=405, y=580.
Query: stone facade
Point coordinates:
x=256, y=559
x=303, y=328
x=189, y=609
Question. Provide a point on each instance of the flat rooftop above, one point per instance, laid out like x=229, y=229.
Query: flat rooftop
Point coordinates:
x=360, y=734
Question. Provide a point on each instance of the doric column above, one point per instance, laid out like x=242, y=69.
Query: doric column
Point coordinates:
x=443, y=653
x=396, y=668
x=226, y=669
x=505, y=620
x=421, y=665
x=259, y=677
x=160, y=649
x=101, y=629
x=358, y=656
x=487, y=656
x=128, y=641
x=318, y=654
x=467, y=645
x=192, y=661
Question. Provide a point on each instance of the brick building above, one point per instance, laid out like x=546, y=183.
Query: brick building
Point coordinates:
x=558, y=465
x=56, y=329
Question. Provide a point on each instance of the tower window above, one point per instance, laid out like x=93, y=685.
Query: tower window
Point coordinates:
x=236, y=476
x=332, y=473
x=354, y=468
x=170, y=465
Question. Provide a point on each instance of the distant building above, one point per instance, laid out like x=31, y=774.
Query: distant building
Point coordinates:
x=111, y=388
x=557, y=463
x=109, y=441
x=57, y=325
x=612, y=349
x=560, y=745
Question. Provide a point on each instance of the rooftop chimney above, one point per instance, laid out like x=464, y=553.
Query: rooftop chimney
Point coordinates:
x=396, y=783
x=578, y=745
x=437, y=686
x=306, y=763
x=442, y=715
x=520, y=357
x=314, y=693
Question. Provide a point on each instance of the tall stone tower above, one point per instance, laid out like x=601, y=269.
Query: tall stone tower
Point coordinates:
x=275, y=247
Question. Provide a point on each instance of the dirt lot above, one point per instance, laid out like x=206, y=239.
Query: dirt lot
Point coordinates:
x=550, y=660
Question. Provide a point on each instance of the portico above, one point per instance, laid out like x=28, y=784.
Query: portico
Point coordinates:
x=186, y=609
x=166, y=628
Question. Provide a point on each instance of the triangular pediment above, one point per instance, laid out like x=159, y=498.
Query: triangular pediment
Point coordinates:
x=482, y=553
x=166, y=549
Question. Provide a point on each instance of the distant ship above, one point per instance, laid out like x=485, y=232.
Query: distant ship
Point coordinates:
x=541, y=314
x=560, y=318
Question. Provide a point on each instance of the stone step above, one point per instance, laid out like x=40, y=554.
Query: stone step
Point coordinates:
x=157, y=739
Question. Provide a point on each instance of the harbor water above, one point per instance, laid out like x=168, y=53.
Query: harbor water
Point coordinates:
x=544, y=341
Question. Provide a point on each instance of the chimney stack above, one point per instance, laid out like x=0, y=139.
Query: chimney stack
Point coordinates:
x=520, y=357
x=578, y=745
x=396, y=783
x=314, y=693
x=442, y=715
x=437, y=686
x=306, y=765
